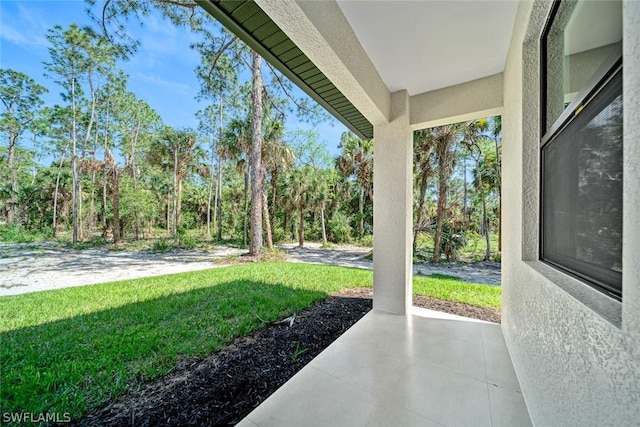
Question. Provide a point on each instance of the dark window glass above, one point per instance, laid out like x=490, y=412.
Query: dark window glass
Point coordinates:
x=582, y=188
x=581, y=154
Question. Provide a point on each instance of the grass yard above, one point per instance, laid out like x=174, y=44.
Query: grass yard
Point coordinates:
x=450, y=288
x=67, y=351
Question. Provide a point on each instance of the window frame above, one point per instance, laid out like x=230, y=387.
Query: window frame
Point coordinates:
x=604, y=74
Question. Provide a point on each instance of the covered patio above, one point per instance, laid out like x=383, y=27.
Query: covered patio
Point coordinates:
x=387, y=68
x=423, y=369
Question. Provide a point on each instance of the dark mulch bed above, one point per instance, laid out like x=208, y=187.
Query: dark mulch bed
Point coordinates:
x=223, y=388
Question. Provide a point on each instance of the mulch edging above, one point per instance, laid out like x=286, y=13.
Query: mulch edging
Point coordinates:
x=223, y=388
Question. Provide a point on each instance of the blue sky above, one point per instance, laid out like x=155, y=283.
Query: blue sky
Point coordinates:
x=161, y=71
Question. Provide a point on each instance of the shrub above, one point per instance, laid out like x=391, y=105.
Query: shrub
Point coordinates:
x=161, y=245
x=453, y=238
x=16, y=233
x=339, y=228
x=367, y=240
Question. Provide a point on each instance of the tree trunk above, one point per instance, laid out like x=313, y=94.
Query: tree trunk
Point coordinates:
x=424, y=181
x=218, y=203
x=256, y=156
x=267, y=221
x=104, y=205
x=168, y=224
x=104, y=177
x=179, y=201
x=324, y=228
x=115, y=194
x=12, y=202
x=464, y=200
x=245, y=225
x=219, y=182
x=55, y=197
x=485, y=222
x=442, y=204
x=210, y=193
x=74, y=165
x=80, y=223
x=134, y=177
x=301, y=229
x=499, y=178
x=274, y=199
x=175, y=194
x=361, y=211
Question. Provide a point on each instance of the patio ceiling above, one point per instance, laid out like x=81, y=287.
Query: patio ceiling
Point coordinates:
x=419, y=46
x=426, y=45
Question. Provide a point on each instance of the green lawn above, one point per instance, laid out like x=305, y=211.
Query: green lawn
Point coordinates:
x=473, y=251
x=68, y=350
x=450, y=288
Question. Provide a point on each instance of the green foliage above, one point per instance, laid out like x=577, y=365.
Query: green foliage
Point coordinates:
x=16, y=233
x=366, y=241
x=298, y=351
x=422, y=255
x=453, y=238
x=161, y=245
x=339, y=228
x=187, y=239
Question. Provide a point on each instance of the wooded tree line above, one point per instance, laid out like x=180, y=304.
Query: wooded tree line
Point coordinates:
x=115, y=170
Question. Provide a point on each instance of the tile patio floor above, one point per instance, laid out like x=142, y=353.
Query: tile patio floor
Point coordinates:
x=423, y=369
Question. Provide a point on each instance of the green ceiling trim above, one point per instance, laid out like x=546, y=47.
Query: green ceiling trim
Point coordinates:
x=254, y=27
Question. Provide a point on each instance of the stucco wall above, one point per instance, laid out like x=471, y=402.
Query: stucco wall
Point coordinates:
x=576, y=353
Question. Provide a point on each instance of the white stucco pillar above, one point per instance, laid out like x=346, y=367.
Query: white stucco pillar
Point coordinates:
x=392, y=209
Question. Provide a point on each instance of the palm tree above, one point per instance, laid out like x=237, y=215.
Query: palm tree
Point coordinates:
x=322, y=185
x=423, y=161
x=356, y=161
x=178, y=151
x=276, y=158
x=297, y=193
x=473, y=132
x=235, y=145
x=496, y=132
x=444, y=140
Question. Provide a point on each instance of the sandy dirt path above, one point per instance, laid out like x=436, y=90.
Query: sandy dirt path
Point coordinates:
x=36, y=267
x=43, y=266
x=354, y=256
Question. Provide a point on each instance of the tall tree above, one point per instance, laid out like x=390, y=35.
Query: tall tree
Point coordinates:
x=356, y=160
x=445, y=138
x=255, y=158
x=236, y=145
x=423, y=161
x=472, y=136
x=179, y=152
x=78, y=55
x=276, y=158
x=20, y=96
x=496, y=133
x=218, y=79
x=298, y=194
x=138, y=124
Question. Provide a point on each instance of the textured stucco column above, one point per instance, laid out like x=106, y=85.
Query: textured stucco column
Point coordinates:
x=392, y=209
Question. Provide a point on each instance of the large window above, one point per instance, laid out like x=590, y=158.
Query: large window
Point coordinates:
x=581, y=151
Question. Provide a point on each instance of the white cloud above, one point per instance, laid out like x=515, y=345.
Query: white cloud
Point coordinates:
x=172, y=85
x=25, y=27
